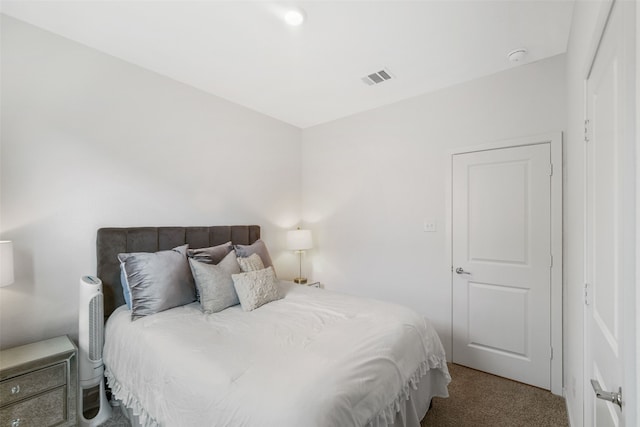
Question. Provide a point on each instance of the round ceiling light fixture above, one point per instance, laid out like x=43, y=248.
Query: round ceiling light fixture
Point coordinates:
x=294, y=17
x=517, y=55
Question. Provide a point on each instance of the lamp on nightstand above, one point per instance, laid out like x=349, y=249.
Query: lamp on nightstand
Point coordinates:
x=299, y=241
x=6, y=263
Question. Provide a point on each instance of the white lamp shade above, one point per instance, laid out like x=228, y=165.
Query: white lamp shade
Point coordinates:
x=299, y=240
x=6, y=262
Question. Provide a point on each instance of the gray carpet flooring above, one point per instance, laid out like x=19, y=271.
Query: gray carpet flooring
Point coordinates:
x=476, y=399
x=479, y=399
x=118, y=419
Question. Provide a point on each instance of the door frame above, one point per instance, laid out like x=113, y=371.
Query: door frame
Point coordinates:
x=637, y=133
x=554, y=139
x=631, y=350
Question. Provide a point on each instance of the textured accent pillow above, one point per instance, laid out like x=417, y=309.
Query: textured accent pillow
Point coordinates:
x=158, y=281
x=256, y=288
x=215, y=284
x=251, y=263
x=243, y=251
x=212, y=255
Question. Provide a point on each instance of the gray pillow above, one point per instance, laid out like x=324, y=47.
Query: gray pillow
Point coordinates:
x=256, y=288
x=158, y=281
x=212, y=255
x=251, y=263
x=215, y=284
x=125, y=286
x=243, y=251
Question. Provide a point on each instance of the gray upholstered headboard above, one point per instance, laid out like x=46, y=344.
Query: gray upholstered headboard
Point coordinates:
x=112, y=241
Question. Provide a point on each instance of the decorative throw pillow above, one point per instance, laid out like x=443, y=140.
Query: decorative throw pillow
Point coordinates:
x=125, y=286
x=214, y=283
x=256, y=288
x=212, y=255
x=243, y=251
x=158, y=281
x=251, y=263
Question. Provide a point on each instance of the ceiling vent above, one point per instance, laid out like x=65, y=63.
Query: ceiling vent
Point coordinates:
x=377, y=77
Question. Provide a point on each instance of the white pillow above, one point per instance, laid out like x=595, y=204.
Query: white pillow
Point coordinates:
x=259, y=248
x=256, y=288
x=251, y=263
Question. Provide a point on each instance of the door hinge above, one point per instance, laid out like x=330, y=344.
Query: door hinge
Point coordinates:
x=586, y=294
x=586, y=130
x=550, y=169
x=550, y=260
x=551, y=348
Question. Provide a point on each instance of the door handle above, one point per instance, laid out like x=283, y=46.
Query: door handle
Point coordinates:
x=612, y=397
x=460, y=270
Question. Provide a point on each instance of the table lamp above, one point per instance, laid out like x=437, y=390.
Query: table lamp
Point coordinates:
x=299, y=241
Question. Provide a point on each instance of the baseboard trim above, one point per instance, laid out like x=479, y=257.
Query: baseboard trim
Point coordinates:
x=566, y=404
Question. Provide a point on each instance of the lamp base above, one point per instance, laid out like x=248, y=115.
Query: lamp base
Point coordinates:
x=300, y=280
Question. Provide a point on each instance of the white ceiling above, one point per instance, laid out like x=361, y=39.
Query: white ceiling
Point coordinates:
x=244, y=52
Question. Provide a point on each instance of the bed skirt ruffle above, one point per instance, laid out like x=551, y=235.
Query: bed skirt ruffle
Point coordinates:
x=130, y=402
x=411, y=404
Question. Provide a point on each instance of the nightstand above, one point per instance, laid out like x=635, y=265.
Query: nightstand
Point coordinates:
x=38, y=384
x=314, y=285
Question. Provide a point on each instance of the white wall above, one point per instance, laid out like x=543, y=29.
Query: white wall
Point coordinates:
x=90, y=141
x=371, y=179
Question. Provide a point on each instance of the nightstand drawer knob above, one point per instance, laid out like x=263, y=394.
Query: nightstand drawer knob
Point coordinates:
x=16, y=422
x=15, y=390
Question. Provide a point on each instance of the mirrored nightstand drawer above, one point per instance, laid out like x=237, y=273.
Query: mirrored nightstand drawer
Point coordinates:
x=46, y=409
x=32, y=383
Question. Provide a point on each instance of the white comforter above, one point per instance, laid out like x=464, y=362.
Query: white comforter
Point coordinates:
x=314, y=358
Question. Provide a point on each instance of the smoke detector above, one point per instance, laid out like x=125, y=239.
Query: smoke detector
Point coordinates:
x=294, y=17
x=517, y=55
x=377, y=77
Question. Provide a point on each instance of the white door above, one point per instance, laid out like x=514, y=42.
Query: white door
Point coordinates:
x=610, y=223
x=501, y=252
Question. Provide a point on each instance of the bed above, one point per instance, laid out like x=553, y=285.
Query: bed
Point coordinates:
x=312, y=357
